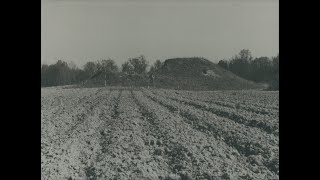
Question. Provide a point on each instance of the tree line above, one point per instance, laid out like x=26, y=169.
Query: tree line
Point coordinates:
x=98, y=72
x=259, y=69
x=135, y=71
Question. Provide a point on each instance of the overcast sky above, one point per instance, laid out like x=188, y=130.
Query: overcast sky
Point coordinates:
x=84, y=30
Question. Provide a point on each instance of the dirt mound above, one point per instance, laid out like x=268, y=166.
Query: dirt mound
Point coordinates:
x=198, y=74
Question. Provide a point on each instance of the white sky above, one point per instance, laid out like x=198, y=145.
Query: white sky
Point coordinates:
x=83, y=30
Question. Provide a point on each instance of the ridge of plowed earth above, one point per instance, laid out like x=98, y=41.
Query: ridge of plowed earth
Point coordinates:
x=52, y=98
x=223, y=99
x=249, y=141
x=68, y=112
x=61, y=143
x=265, y=123
x=96, y=168
x=195, y=155
x=128, y=145
x=268, y=100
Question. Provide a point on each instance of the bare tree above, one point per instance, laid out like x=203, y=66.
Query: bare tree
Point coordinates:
x=108, y=68
x=127, y=68
x=139, y=64
x=90, y=68
x=157, y=65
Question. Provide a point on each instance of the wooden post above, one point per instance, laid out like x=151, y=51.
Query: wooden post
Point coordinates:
x=105, y=80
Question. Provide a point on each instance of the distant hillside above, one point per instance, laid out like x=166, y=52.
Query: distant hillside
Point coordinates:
x=198, y=74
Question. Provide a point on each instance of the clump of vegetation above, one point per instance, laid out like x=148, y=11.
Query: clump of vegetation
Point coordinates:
x=260, y=69
x=100, y=73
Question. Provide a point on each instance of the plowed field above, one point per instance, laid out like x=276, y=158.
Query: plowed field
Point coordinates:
x=123, y=133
